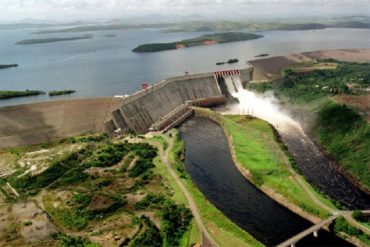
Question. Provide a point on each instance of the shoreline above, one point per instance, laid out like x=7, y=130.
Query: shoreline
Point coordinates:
x=270, y=192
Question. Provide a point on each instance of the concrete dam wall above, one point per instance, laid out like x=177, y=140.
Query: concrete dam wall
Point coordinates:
x=160, y=106
x=142, y=111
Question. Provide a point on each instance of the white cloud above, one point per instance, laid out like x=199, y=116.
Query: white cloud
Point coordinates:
x=12, y=9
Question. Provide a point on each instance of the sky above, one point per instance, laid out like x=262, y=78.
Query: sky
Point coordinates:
x=72, y=10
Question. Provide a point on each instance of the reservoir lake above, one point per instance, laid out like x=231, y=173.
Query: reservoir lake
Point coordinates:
x=106, y=66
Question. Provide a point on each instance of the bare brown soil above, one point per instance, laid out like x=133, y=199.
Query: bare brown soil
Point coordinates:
x=99, y=202
x=271, y=68
x=42, y=122
x=361, y=102
x=23, y=222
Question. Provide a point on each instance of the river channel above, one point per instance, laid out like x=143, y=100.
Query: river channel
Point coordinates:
x=209, y=163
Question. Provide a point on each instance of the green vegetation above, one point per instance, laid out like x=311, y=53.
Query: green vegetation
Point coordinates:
x=62, y=92
x=340, y=225
x=51, y=40
x=32, y=184
x=100, y=187
x=73, y=219
x=70, y=241
x=202, y=40
x=5, y=66
x=14, y=94
x=258, y=26
x=259, y=150
x=150, y=235
x=193, y=233
x=345, y=135
x=309, y=86
x=69, y=169
x=175, y=220
x=223, y=230
x=340, y=129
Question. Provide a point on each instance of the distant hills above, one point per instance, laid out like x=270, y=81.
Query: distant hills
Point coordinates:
x=191, y=23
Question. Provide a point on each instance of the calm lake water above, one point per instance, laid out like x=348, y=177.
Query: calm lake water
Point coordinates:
x=106, y=66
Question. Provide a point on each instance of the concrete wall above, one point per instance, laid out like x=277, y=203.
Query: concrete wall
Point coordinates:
x=140, y=110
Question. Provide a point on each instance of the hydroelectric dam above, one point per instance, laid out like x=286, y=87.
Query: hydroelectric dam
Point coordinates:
x=166, y=104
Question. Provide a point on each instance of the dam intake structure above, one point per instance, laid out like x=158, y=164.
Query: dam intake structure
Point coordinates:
x=168, y=103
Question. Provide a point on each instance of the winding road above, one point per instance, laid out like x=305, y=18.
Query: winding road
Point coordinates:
x=164, y=155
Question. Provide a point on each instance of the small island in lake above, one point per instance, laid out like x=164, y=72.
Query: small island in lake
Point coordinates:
x=61, y=92
x=207, y=39
x=262, y=55
x=109, y=35
x=51, y=40
x=5, y=66
x=14, y=94
x=233, y=60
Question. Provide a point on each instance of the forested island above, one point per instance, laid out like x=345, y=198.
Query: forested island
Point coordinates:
x=207, y=39
x=61, y=92
x=5, y=66
x=14, y=94
x=51, y=40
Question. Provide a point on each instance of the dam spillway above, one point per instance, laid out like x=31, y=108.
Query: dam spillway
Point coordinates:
x=158, y=106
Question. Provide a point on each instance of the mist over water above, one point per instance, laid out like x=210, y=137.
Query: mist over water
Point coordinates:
x=265, y=107
x=316, y=168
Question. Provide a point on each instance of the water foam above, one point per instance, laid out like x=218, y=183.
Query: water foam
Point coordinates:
x=265, y=106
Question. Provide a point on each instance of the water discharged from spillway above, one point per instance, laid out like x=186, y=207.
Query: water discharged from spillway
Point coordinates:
x=314, y=165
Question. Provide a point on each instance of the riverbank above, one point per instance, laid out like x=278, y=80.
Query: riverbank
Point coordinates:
x=222, y=229
x=271, y=171
x=337, y=108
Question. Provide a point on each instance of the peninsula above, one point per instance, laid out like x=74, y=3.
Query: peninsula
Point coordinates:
x=207, y=39
x=51, y=40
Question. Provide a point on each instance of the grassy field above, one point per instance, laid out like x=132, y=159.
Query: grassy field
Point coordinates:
x=224, y=231
x=258, y=150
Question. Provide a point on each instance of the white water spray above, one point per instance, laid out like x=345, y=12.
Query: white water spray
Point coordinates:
x=265, y=107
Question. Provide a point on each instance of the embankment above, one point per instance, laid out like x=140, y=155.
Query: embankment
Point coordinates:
x=268, y=190
x=42, y=122
x=271, y=68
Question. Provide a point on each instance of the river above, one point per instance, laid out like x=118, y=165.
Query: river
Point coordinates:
x=209, y=163
x=316, y=168
x=106, y=66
